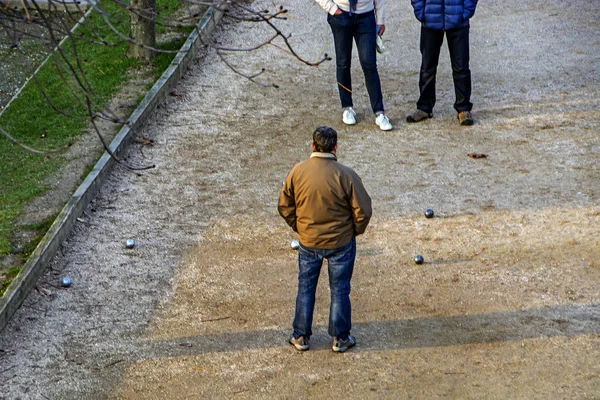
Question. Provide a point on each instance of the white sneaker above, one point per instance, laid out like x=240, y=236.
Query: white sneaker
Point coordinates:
x=383, y=122
x=349, y=116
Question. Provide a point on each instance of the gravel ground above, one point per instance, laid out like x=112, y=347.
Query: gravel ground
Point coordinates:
x=506, y=305
x=17, y=64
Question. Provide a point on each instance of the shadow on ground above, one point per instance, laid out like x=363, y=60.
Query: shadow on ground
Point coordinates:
x=563, y=320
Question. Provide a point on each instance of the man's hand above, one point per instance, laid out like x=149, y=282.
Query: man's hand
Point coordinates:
x=381, y=29
x=338, y=11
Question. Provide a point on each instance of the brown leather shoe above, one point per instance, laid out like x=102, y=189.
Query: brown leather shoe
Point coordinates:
x=465, y=118
x=418, y=115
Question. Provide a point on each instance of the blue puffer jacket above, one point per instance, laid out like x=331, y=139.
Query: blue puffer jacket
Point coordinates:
x=444, y=14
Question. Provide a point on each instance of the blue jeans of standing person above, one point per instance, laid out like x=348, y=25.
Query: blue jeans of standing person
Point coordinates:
x=458, y=46
x=362, y=29
x=340, y=265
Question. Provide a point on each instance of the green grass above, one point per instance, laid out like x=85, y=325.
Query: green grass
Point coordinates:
x=30, y=117
x=162, y=60
x=11, y=274
x=31, y=120
x=166, y=9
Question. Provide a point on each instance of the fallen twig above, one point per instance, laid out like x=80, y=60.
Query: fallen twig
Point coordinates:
x=43, y=291
x=112, y=363
x=214, y=319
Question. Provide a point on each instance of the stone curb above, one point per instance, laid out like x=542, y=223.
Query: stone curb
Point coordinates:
x=61, y=228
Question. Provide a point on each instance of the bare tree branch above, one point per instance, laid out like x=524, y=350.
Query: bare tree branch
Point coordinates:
x=31, y=149
x=105, y=28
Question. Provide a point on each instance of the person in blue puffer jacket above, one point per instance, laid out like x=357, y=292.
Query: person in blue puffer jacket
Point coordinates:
x=452, y=18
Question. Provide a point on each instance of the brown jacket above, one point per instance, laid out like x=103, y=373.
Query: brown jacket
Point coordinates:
x=325, y=202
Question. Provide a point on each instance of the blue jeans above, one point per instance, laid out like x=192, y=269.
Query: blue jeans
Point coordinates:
x=362, y=28
x=458, y=46
x=340, y=265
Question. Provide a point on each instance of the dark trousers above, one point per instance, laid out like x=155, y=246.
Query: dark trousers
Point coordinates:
x=362, y=29
x=458, y=46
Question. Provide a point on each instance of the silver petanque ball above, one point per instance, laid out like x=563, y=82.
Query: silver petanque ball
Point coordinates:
x=295, y=244
x=130, y=243
x=66, y=282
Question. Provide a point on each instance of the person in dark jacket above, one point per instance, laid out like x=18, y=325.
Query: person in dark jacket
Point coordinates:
x=452, y=18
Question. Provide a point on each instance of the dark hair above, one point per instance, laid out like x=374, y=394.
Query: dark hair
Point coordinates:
x=324, y=139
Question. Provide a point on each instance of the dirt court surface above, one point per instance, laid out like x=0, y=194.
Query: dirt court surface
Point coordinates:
x=507, y=304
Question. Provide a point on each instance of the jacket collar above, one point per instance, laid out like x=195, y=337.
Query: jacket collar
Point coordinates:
x=323, y=155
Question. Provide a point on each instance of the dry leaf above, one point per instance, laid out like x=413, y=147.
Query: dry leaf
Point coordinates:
x=477, y=155
x=145, y=141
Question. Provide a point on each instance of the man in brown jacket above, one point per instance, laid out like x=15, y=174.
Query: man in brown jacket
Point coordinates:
x=327, y=204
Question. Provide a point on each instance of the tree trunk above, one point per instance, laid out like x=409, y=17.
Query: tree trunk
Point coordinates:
x=142, y=30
